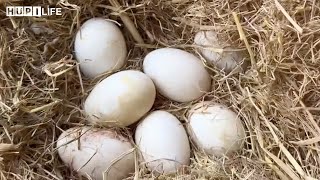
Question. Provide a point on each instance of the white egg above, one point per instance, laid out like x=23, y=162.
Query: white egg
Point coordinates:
x=121, y=99
x=99, y=47
x=92, y=152
x=215, y=129
x=177, y=74
x=227, y=61
x=163, y=142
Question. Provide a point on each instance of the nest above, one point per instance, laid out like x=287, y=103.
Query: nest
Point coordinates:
x=277, y=98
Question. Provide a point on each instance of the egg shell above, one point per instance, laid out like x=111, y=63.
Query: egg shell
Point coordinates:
x=215, y=128
x=228, y=60
x=163, y=142
x=91, y=152
x=121, y=99
x=177, y=74
x=99, y=47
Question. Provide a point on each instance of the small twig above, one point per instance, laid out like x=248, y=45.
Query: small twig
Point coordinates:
x=286, y=168
x=136, y=165
x=4, y=147
x=201, y=27
x=6, y=106
x=284, y=12
x=44, y=107
x=108, y=7
x=88, y=160
x=305, y=108
x=276, y=169
x=310, y=117
x=9, y=1
x=127, y=22
x=307, y=141
x=80, y=79
x=105, y=173
x=48, y=44
x=14, y=24
x=243, y=37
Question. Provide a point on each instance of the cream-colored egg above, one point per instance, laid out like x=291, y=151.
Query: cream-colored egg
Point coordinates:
x=121, y=99
x=94, y=152
x=228, y=60
x=177, y=74
x=163, y=142
x=215, y=129
x=99, y=47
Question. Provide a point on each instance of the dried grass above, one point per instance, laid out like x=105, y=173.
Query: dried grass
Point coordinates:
x=278, y=99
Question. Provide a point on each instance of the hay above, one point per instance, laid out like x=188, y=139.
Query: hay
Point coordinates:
x=278, y=99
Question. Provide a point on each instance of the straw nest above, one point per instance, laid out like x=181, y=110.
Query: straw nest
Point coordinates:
x=278, y=98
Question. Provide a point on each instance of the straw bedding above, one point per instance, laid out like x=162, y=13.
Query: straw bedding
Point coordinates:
x=278, y=98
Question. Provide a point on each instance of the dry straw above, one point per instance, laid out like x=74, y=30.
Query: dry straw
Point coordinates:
x=278, y=99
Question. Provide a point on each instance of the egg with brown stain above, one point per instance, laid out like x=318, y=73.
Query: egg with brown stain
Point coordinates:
x=121, y=99
x=95, y=153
